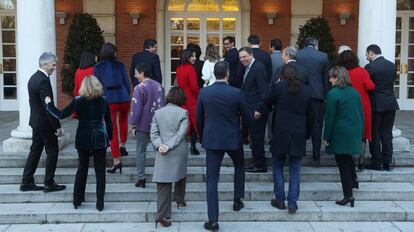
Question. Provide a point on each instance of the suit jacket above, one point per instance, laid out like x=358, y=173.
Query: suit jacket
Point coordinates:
x=255, y=86
x=264, y=58
x=232, y=58
x=383, y=73
x=146, y=57
x=95, y=124
x=301, y=71
x=277, y=61
x=317, y=65
x=219, y=108
x=291, y=122
x=198, y=65
x=39, y=88
x=169, y=126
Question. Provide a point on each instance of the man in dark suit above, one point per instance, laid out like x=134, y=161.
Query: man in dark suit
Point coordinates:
x=198, y=65
x=148, y=55
x=317, y=65
x=288, y=57
x=260, y=55
x=384, y=104
x=232, y=58
x=46, y=129
x=255, y=87
x=276, y=55
x=219, y=108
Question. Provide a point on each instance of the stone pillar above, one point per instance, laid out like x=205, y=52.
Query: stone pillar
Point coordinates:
x=35, y=35
x=377, y=19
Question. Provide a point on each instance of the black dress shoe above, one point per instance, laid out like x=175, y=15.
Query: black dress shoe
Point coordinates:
x=256, y=170
x=53, y=188
x=194, y=151
x=372, y=167
x=100, y=205
x=292, y=210
x=316, y=156
x=237, y=204
x=278, y=204
x=250, y=166
x=30, y=187
x=213, y=226
x=387, y=167
x=140, y=183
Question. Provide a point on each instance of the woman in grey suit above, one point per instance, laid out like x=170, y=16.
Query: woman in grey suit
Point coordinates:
x=168, y=130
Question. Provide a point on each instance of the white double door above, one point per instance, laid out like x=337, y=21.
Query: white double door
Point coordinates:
x=201, y=29
x=404, y=60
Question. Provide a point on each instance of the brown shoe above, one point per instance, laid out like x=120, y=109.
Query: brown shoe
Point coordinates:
x=140, y=183
x=163, y=221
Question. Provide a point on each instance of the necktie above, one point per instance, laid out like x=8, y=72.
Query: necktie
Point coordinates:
x=245, y=73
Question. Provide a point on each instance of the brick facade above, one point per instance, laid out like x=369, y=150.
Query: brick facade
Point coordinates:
x=130, y=37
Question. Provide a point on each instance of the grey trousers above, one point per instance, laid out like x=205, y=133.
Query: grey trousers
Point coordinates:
x=141, y=151
x=165, y=197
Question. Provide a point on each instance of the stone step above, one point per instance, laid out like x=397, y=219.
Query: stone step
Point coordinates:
x=309, y=211
x=197, y=174
x=314, y=191
x=402, y=159
x=248, y=226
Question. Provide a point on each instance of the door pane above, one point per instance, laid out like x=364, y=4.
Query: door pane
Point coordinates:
x=213, y=24
x=229, y=24
x=193, y=24
x=8, y=36
x=176, y=5
x=177, y=24
x=213, y=39
x=397, y=91
x=9, y=65
x=176, y=51
x=8, y=22
x=230, y=5
x=9, y=50
x=9, y=78
x=398, y=51
x=174, y=65
x=410, y=92
x=193, y=38
x=177, y=39
x=7, y=4
x=398, y=23
x=10, y=93
x=410, y=79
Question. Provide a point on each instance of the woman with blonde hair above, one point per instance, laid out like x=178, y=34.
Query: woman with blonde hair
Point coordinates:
x=210, y=59
x=93, y=135
x=343, y=132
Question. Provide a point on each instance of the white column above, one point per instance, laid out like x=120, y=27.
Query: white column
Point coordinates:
x=35, y=35
x=377, y=19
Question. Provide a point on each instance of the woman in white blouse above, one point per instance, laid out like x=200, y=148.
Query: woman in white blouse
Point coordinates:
x=210, y=59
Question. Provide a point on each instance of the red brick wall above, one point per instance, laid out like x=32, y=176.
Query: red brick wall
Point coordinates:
x=70, y=7
x=129, y=37
x=343, y=34
x=281, y=25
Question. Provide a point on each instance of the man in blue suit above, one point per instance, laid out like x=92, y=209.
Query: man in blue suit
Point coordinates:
x=317, y=65
x=149, y=56
x=219, y=108
x=232, y=58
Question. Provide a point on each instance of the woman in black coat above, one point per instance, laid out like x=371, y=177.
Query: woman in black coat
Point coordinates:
x=291, y=101
x=93, y=136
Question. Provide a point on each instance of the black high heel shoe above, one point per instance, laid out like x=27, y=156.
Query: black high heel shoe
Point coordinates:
x=181, y=204
x=355, y=185
x=100, y=205
x=346, y=200
x=194, y=151
x=114, y=168
x=163, y=221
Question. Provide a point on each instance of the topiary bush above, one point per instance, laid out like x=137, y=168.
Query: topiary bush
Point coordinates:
x=319, y=29
x=84, y=33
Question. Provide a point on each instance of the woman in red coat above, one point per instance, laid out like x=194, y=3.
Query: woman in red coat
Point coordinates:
x=363, y=84
x=86, y=66
x=186, y=77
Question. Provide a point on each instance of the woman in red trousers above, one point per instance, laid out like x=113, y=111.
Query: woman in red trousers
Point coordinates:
x=187, y=80
x=361, y=81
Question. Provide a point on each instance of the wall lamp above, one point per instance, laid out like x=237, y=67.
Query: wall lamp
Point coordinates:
x=343, y=17
x=135, y=17
x=62, y=16
x=270, y=17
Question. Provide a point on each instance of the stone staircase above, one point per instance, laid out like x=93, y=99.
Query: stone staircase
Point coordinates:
x=382, y=196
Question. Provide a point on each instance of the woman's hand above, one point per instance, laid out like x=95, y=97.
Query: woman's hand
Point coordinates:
x=163, y=149
x=326, y=143
x=48, y=100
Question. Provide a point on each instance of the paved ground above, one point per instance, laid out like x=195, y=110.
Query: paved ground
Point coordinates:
x=10, y=120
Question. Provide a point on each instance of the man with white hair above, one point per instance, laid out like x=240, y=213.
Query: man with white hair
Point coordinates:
x=289, y=58
x=46, y=129
x=343, y=48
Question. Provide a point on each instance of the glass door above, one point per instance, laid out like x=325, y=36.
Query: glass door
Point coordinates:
x=201, y=29
x=404, y=85
x=8, y=79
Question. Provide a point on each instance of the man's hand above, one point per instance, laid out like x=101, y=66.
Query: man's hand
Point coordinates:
x=59, y=132
x=257, y=115
x=326, y=143
x=48, y=100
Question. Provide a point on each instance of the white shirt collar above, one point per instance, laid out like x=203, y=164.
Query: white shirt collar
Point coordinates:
x=290, y=61
x=43, y=71
x=376, y=57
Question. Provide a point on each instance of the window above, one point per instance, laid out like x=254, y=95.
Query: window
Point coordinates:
x=203, y=5
x=7, y=4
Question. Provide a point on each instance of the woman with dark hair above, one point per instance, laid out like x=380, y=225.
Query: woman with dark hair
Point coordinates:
x=343, y=131
x=198, y=64
x=187, y=81
x=291, y=100
x=361, y=81
x=168, y=129
x=86, y=67
x=114, y=79
x=211, y=58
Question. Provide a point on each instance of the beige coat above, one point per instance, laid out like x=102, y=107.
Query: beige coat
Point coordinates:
x=169, y=126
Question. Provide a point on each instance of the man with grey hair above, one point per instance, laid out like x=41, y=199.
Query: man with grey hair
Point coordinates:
x=289, y=58
x=45, y=129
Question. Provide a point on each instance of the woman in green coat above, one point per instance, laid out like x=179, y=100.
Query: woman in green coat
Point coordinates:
x=343, y=128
